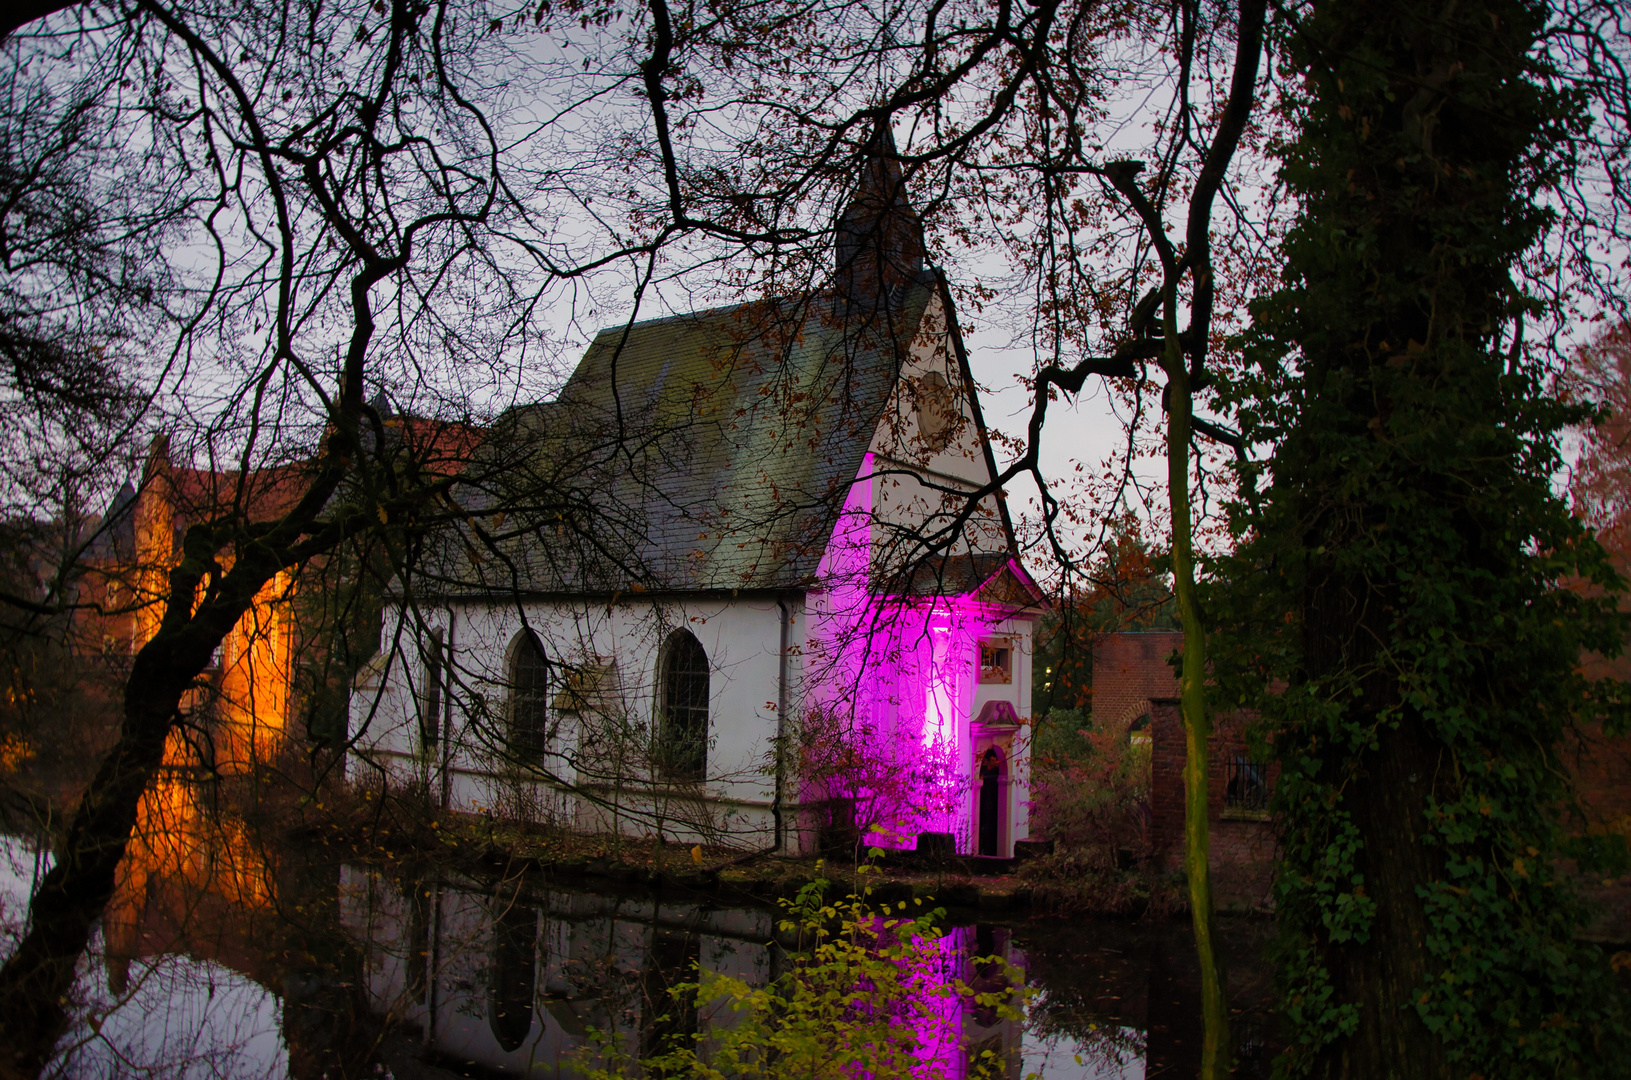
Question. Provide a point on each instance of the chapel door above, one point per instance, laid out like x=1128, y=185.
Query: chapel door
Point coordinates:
x=991, y=769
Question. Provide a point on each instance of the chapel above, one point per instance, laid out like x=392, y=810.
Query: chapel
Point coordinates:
x=748, y=580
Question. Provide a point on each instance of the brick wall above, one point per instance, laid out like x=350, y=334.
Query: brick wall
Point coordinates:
x=1602, y=769
x=1602, y=763
x=1129, y=670
x=1242, y=842
x=1131, y=677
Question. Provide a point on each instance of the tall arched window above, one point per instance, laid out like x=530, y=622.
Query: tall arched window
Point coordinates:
x=682, y=750
x=514, y=976
x=529, y=694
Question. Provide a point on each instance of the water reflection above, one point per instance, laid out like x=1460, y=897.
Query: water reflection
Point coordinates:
x=227, y=955
x=177, y=1010
x=509, y=981
x=189, y=872
x=220, y=953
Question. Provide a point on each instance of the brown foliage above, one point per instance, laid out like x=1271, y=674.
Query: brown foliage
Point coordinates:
x=1600, y=373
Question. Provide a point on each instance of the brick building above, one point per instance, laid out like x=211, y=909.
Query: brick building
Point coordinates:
x=1601, y=764
x=245, y=694
x=1135, y=686
x=267, y=674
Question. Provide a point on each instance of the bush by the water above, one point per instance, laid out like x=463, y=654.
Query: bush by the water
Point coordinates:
x=1090, y=795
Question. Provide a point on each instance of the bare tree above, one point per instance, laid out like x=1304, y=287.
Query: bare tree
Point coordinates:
x=366, y=197
x=294, y=210
x=334, y=194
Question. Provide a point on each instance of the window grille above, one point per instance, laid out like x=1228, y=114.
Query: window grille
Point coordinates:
x=682, y=750
x=529, y=695
x=1246, y=785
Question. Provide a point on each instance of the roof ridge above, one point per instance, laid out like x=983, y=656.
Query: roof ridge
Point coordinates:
x=685, y=315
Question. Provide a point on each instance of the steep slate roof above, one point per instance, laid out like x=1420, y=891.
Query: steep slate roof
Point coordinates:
x=709, y=451
x=115, y=536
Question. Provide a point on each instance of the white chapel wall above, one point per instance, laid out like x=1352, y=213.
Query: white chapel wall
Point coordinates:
x=467, y=769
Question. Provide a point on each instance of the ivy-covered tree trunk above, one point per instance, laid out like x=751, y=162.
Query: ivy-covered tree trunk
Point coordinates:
x=1402, y=576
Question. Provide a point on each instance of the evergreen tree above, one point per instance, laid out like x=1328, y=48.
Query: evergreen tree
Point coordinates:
x=1401, y=575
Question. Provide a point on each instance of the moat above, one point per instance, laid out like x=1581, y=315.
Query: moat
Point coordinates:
x=227, y=955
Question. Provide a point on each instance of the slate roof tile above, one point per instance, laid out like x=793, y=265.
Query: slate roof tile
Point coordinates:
x=709, y=451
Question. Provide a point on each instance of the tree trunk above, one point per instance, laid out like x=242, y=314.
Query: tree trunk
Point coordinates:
x=1215, y=1048
x=1387, y=808
x=1386, y=800
x=1413, y=548
x=36, y=981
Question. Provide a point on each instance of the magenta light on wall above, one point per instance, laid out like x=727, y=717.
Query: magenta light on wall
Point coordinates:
x=940, y=704
x=905, y=663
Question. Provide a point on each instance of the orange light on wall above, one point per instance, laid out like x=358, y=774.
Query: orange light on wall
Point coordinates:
x=252, y=699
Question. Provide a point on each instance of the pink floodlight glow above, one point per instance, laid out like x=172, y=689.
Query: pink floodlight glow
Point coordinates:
x=938, y=1023
x=940, y=706
x=903, y=667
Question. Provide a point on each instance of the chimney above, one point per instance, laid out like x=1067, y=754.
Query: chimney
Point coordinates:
x=878, y=237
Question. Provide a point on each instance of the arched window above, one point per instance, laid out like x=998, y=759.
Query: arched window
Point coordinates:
x=682, y=702
x=514, y=976
x=529, y=694
x=430, y=690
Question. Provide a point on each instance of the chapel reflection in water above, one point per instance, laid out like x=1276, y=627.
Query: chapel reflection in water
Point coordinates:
x=366, y=965
x=220, y=953
x=512, y=979
x=451, y=963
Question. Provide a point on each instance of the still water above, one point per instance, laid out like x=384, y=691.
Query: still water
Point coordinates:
x=248, y=960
